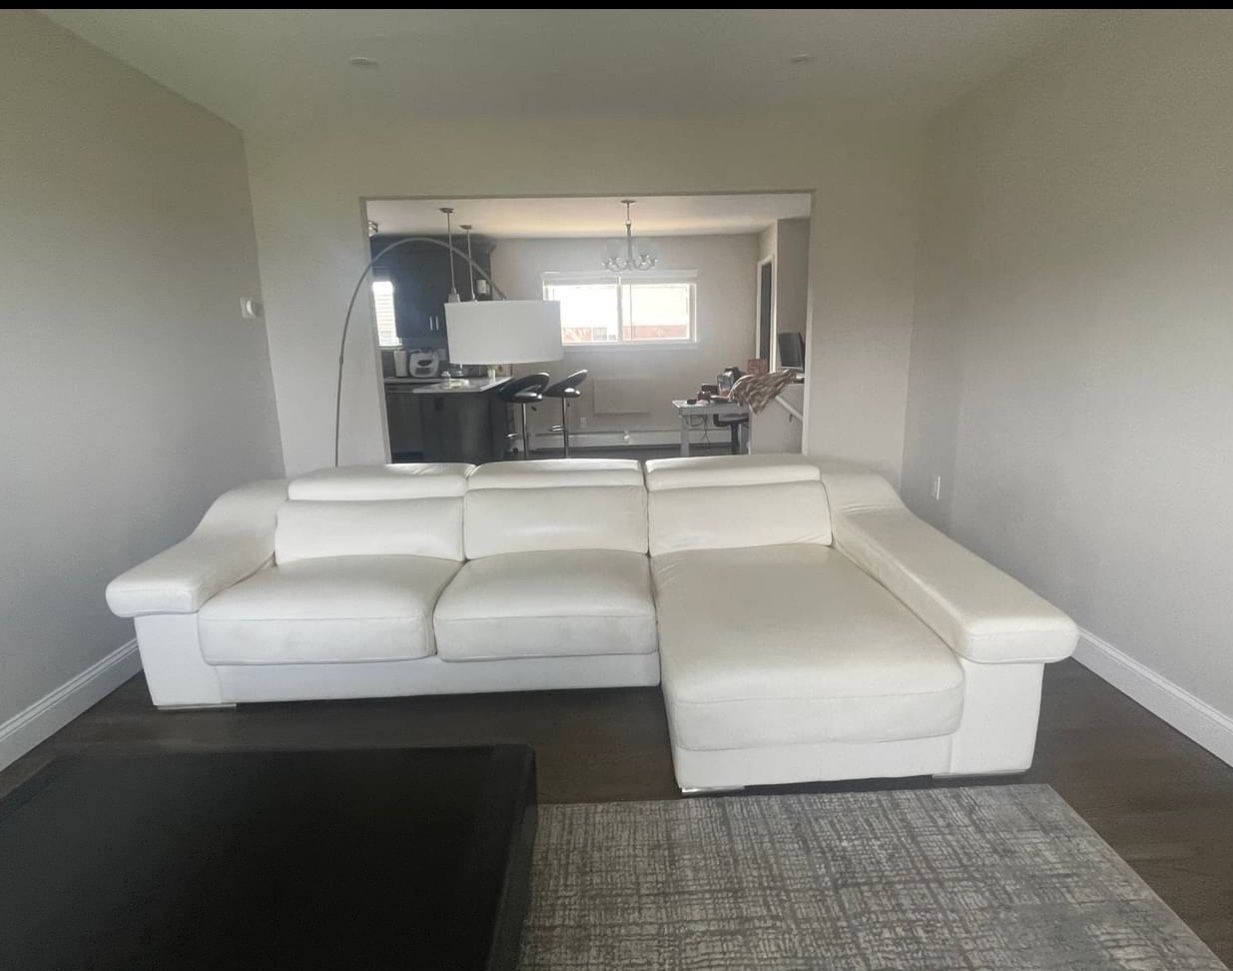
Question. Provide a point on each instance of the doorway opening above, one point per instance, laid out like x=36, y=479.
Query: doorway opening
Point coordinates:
x=653, y=315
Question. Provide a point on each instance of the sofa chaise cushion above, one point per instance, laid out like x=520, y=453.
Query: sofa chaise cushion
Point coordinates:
x=780, y=645
x=548, y=604
x=327, y=609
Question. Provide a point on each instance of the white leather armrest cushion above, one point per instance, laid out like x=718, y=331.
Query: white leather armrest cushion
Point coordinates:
x=234, y=539
x=984, y=614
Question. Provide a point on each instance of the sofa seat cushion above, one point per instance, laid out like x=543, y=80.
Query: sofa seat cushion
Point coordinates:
x=339, y=608
x=783, y=645
x=548, y=604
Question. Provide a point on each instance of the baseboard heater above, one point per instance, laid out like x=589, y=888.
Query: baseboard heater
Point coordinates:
x=617, y=439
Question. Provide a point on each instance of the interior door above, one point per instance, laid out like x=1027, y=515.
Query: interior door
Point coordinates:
x=766, y=283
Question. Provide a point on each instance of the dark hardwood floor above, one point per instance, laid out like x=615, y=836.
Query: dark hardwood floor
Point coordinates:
x=1161, y=801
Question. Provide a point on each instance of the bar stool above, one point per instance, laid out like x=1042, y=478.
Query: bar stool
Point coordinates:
x=528, y=390
x=565, y=389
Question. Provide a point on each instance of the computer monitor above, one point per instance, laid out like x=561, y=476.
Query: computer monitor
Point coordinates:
x=792, y=349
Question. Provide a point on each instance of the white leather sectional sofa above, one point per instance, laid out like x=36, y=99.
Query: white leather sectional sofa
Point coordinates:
x=808, y=626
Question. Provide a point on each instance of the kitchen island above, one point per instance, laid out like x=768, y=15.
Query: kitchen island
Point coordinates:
x=447, y=419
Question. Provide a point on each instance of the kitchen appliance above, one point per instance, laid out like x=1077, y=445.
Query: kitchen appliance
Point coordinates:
x=400, y=363
x=424, y=364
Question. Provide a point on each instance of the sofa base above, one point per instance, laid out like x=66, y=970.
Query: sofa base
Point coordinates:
x=179, y=678
x=712, y=790
x=433, y=676
x=774, y=765
x=225, y=704
x=996, y=736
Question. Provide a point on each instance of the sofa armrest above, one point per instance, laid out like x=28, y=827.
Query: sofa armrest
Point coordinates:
x=982, y=613
x=234, y=539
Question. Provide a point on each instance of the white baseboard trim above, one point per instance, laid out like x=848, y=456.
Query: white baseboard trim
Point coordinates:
x=26, y=729
x=1191, y=716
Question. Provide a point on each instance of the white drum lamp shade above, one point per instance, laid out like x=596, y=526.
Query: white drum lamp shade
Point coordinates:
x=504, y=331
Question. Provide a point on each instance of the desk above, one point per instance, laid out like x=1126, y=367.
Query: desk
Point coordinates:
x=704, y=410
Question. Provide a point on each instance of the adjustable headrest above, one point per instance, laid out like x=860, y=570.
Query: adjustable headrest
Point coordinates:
x=423, y=480
x=729, y=470
x=555, y=473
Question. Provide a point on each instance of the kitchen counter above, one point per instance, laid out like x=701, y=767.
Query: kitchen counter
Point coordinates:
x=462, y=385
x=411, y=382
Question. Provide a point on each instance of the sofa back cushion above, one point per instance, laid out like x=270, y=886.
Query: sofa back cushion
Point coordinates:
x=561, y=504
x=735, y=502
x=379, y=527
x=555, y=473
x=416, y=480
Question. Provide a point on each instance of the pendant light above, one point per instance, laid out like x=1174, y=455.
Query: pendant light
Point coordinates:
x=634, y=254
x=449, y=241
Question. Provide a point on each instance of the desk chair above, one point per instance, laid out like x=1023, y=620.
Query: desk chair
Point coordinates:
x=565, y=389
x=734, y=424
x=528, y=390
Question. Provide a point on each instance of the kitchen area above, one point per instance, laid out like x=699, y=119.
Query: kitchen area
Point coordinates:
x=436, y=412
x=645, y=316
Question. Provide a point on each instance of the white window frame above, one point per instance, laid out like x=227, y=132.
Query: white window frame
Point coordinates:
x=382, y=283
x=550, y=277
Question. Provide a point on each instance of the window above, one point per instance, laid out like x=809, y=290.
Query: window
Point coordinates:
x=383, y=304
x=653, y=307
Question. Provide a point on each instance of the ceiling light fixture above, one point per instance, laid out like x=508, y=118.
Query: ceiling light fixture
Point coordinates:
x=634, y=254
x=801, y=59
x=361, y=61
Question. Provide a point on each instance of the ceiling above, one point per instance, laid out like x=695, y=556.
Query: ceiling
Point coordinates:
x=269, y=69
x=592, y=216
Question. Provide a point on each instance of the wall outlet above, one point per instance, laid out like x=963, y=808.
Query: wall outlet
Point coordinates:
x=935, y=490
x=582, y=421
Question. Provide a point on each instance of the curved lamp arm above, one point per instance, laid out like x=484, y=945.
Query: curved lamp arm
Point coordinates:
x=342, y=348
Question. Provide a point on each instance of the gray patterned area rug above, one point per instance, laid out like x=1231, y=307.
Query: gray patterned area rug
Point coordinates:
x=997, y=877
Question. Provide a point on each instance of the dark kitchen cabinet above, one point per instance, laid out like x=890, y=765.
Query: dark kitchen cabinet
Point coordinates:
x=402, y=411
x=464, y=427
x=420, y=273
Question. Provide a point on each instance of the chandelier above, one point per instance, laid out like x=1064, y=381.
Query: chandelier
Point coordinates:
x=636, y=254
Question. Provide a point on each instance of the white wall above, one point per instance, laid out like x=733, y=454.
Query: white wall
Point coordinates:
x=1072, y=365
x=727, y=270
x=132, y=392
x=307, y=191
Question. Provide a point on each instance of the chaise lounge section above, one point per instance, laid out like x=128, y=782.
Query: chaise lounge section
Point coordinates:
x=808, y=626
x=820, y=631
